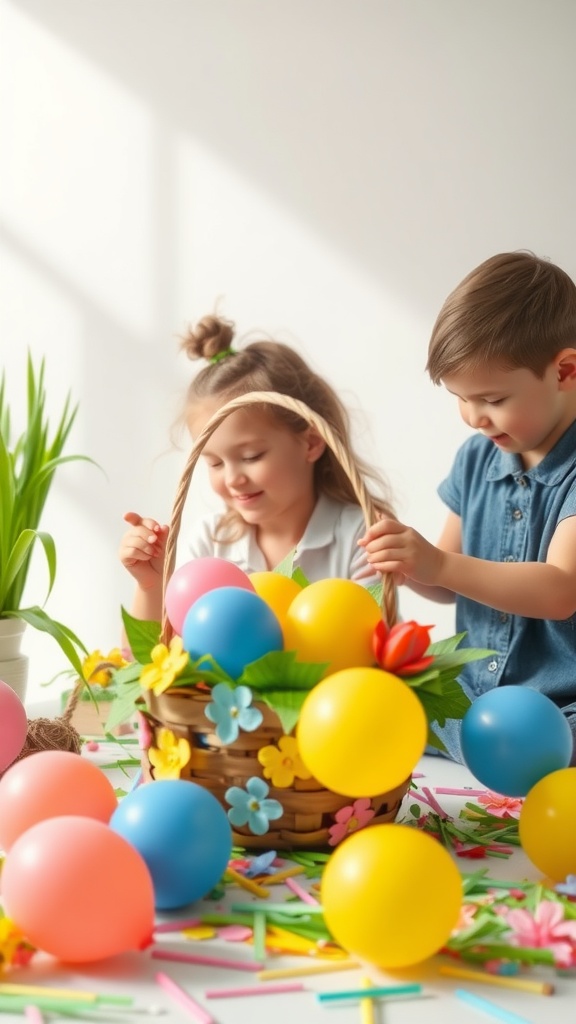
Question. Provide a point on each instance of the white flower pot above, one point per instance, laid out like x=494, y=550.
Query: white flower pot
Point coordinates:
x=13, y=664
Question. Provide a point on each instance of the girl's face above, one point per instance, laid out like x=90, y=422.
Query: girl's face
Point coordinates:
x=517, y=410
x=258, y=466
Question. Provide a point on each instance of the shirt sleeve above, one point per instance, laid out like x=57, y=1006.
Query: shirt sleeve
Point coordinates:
x=451, y=489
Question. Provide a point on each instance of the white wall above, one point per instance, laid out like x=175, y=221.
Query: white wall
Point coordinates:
x=328, y=169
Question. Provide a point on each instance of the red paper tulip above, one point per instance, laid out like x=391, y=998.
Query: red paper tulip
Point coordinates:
x=401, y=650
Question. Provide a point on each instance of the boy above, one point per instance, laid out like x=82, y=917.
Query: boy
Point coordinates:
x=504, y=344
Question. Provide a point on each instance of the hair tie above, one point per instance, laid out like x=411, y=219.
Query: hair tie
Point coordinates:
x=223, y=355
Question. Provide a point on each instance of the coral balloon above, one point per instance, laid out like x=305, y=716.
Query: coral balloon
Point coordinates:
x=546, y=824
x=183, y=834
x=49, y=784
x=333, y=621
x=195, y=578
x=13, y=725
x=374, y=905
x=361, y=731
x=234, y=625
x=278, y=591
x=512, y=736
x=78, y=891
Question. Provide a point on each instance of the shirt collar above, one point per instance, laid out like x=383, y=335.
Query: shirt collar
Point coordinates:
x=321, y=528
x=551, y=471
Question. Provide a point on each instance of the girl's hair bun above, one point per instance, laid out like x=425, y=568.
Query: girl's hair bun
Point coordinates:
x=211, y=335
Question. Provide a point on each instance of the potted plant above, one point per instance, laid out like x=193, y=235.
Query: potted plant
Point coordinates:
x=27, y=467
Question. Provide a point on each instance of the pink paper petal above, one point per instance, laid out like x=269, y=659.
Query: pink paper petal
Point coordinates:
x=235, y=933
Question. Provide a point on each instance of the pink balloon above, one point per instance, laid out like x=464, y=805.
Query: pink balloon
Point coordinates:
x=47, y=785
x=13, y=725
x=78, y=890
x=193, y=579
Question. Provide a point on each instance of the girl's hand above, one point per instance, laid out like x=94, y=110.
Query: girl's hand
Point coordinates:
x=394, y=548
x=142, y=550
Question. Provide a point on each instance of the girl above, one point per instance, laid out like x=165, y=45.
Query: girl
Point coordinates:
x=282, y=487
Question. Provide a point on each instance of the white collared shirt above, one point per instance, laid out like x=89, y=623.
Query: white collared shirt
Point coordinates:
x=328, y=548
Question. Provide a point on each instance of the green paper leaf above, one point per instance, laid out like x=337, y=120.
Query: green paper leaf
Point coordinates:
x=142, y=636
x=299, y=577
x=124, y=706
x=287, y=704
x=279, y=670
x=452, y=703
x=377, y=591
x=286, y=566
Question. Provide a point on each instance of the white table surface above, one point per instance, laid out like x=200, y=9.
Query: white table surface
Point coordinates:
x=134, y=973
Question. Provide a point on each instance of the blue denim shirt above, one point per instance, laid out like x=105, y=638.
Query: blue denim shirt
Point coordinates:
x=510, y=514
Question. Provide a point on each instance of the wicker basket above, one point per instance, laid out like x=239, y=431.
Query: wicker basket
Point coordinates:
x=309, y=808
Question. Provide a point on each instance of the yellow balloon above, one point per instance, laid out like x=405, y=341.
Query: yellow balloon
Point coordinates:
x=546, y=824
x=361, y=731
x=333, y=621
x=277, y=591
x=391, y=895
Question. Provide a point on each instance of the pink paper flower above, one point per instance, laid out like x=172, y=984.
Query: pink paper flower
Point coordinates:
x=466, y=919
x=545, y=929
x=501, y=806
x=350, y=819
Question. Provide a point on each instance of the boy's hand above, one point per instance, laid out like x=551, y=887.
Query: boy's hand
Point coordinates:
x=142, y=550
x=394, y=548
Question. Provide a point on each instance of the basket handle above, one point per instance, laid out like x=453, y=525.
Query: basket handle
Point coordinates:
x=365, y=499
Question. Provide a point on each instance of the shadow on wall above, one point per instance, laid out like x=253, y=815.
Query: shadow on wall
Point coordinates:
x=386, y=127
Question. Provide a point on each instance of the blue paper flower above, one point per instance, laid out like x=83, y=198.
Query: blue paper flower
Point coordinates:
x=567, y=888
x=230, y=711
x=250, y=806
x=262, y=865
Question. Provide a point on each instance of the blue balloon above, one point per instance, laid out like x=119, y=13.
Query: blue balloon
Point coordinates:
x=234, y=625
x=183, y=834
x=512, y=736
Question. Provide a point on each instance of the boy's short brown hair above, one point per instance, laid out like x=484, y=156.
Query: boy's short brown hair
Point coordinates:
x=514, y=310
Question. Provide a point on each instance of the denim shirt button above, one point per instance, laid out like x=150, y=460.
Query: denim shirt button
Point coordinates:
x=492, y=666
x=503, y=617
x=517, y=514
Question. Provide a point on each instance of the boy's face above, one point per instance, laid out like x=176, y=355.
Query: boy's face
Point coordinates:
x=520, y=412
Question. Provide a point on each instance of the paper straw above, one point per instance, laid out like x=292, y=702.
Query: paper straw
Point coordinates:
x=247, y=883
x=259, y=936
x=433, y=801
x=14, y=989
x=301, y=893
x=11, y=989
x=449, y=791
x=176, y=926
x=367, y=1015
x=207, y=961
x=197, y=1012
x=489, y=1008
x=254, y=990
x=326, y=967
x=18, y=1004
x=291, y=909
x=281, y=876
x=543, y=988
x=377, y=992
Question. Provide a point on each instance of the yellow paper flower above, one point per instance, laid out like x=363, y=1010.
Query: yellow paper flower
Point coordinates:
x=167, y=663
x=169, y=756
x=283, y=763
x=14, y=949
x=98, y=667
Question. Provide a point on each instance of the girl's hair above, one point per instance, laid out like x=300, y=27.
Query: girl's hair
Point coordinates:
x=514, y=310
x=273, y=366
